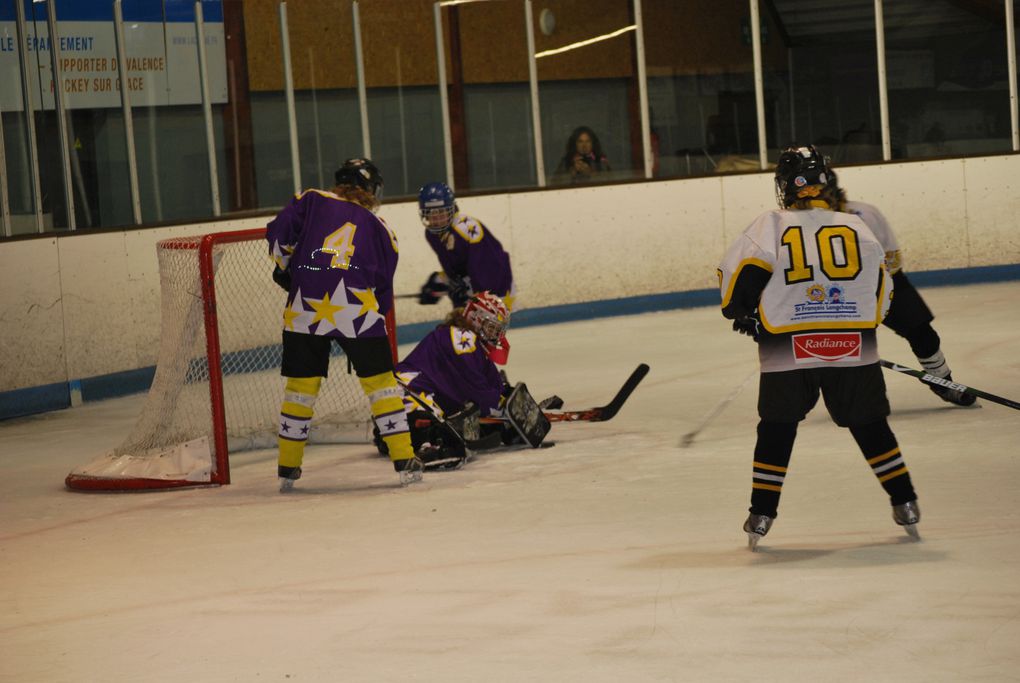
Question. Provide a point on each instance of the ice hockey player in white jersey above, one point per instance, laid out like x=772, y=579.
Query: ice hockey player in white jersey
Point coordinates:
x=810, y=285
x=909, y=316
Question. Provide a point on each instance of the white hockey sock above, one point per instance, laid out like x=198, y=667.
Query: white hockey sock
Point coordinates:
x=935, y=364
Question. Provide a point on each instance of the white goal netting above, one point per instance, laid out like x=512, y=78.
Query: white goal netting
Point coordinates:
x=182, y=429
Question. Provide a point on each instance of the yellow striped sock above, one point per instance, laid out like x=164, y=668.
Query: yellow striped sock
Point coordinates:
x=386, y=398
x=295, y=418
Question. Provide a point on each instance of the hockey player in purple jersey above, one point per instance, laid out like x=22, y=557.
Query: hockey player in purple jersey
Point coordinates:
x=454, y=366
x=471, y=257
x=810, y=285
x=336, y=260
x=909, y=316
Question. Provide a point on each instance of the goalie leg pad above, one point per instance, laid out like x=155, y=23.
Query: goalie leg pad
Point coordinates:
x=526, y=416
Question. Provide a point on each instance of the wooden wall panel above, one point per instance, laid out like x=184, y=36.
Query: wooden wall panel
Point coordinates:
x=681, y=37
x=704, y=37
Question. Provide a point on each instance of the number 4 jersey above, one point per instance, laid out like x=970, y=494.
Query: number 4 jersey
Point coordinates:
x=341, y=258
x=819, y=283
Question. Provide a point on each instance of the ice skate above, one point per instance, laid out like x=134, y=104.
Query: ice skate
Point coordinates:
x=410, y=470
x=287, y=477
x=756, y=527
x=907, y=515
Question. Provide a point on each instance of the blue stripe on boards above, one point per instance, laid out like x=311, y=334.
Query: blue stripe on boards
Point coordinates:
x=57, y=396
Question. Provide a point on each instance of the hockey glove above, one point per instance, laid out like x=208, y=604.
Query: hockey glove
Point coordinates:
x=433, y=289
x=282, y=278
x=460, y=291
x=749, y=325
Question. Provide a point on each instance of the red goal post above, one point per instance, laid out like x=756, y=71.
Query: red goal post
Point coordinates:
x=217, y=386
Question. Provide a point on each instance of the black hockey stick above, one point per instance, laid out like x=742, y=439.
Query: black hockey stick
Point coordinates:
x=599, y=414
x=689, y=437
x=938, y=381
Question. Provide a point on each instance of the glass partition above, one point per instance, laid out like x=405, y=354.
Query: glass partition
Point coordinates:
x=322, y=57
x=495, y=98
x=404, y=110
x=816, y=93
x=701, y=86
x=947, y=77
x=587, y=73
x=18, y=174
x=53, y=184
x=948, y=95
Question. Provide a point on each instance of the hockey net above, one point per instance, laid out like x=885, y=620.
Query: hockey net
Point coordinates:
x=217, y=387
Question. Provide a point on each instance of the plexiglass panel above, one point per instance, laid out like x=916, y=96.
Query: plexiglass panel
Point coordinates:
x=494, y=98
x=587, y=73
x=321, y=39
x=17, y=174
x=948, y=78
x=821, y=78
x=701, y=86
x=405, y=114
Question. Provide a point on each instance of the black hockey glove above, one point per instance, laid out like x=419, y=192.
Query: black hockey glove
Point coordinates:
x=749, y=325
x=433, y=289
x=282, y=278
x=460, y=291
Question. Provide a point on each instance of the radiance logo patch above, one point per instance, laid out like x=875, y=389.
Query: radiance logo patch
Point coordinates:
x=832, y=347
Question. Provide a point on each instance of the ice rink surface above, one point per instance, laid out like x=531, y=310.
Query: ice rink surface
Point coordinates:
x=615, y=556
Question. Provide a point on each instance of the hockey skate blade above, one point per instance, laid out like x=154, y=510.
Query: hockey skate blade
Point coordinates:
x=912, y=532
x=286, y=485
x=752, y=541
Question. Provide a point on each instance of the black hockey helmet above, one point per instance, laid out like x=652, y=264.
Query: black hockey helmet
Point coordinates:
x=361, y=173
x=801, y=173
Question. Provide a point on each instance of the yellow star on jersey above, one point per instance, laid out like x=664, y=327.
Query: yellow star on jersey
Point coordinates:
x=369, y=307
x=367, y=299
x=295, y=317
x=324, y=309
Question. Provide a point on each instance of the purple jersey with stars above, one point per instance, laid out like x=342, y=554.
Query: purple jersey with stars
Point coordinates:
x=468, y=250
x=451, y=366
x=341, y=258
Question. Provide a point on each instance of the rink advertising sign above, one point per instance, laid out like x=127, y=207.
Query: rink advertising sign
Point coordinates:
x=833, y=347
x=162, y=53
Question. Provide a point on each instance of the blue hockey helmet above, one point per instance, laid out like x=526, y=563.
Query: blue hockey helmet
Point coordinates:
x=801, y=173
x=437, y=206
x=361, y=173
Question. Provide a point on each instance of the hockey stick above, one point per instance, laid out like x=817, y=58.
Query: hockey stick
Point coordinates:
x=932, y=379
x=689, y=437
x=599, y=414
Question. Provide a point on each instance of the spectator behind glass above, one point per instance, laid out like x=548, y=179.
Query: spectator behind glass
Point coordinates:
x=583, y=158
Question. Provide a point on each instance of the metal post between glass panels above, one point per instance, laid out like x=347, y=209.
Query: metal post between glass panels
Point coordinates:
x=359, y=62
x=536, y=113
x=5, y=204
x=210, y=136
x=759, y=85
x=288, y=86
x=58, y=93
x=883, y=86
x=26, y=99
x=646, y=129
x=1011, y=60
x=125, y=103
x=444, y=101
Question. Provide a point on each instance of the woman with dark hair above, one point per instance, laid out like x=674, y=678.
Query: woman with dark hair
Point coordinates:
x=582, y=159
